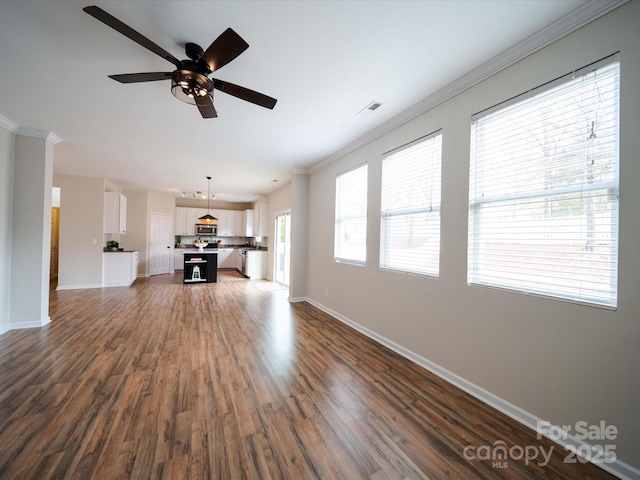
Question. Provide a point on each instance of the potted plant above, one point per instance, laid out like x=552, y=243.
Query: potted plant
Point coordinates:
x=113, y=245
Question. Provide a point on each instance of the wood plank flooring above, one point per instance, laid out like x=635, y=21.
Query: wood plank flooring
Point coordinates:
x=227, y=381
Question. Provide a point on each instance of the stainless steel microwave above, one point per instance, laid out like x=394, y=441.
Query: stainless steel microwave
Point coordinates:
x=211, y=230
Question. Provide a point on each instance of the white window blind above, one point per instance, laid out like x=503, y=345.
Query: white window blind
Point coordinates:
x=351, y=216
x=410, y=207
x=543, y=214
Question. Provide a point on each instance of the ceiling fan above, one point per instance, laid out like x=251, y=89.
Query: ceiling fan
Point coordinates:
x=190, y=81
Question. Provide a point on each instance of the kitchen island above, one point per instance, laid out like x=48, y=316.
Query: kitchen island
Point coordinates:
x=200, y=267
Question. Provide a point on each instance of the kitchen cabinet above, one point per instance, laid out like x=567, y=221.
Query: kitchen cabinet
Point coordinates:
x=225, y=258
x=178, y=260
x=119, y=269
x=261, y=220
x=234, y=223
x=186, y=219
x=247, y=223
x=230, y=222
x=237, y=259
x=222, y=222
x=256, y=267
x=115, y=213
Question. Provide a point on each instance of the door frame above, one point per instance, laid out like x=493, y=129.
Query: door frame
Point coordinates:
x=286, y=281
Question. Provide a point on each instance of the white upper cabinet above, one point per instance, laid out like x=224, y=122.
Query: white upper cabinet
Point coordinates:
x=231, y=223
x=234, y=223
x=261, y=220
x=247, y=222
x=186, y=219
x=222, y=222
x=115, y=213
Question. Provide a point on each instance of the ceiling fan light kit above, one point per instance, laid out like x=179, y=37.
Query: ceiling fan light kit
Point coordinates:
x=190, y=82
x=187, y=85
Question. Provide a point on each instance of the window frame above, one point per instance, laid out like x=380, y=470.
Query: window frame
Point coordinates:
x=388, y=213
x=611, y=187
x=339, y=220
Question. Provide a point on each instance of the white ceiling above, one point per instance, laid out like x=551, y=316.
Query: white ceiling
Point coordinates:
x=323, y=60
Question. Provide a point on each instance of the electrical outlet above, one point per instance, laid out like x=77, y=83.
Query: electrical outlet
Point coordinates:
x=326, y=292
x=94, y=241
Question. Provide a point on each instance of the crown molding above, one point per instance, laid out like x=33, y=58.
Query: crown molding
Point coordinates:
x=587, y=13
x=28, y=132
x=8, y=124
x=34, y=132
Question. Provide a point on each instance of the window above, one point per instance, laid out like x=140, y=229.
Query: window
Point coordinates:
x=543, y=214
x=410, y=207
x=351, y=216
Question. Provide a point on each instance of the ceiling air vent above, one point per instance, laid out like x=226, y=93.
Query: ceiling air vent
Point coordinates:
x=369, y=109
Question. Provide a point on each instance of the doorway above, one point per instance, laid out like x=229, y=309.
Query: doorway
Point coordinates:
x=55, y=237
x=53, y=248
x=160, y=251
x=282, y=261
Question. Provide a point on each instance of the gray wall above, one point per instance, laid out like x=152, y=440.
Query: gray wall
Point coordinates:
x=81, y=222
x=7, y=156
x=279, y=201
x=557, y=361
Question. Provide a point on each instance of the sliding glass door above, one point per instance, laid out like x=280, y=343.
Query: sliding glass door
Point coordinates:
x=283, y=247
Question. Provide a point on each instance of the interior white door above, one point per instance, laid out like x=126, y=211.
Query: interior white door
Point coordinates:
x=160, y=252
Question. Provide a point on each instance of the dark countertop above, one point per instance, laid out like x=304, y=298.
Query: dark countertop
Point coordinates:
x=189, y=249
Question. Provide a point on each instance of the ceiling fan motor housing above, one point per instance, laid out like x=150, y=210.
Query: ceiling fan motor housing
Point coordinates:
x=193, y=51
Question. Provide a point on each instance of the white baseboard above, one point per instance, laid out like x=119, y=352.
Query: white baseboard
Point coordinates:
x=78, y=287
x=22, y=325
x=4, y=329
x=117, y=284
x=618, y=468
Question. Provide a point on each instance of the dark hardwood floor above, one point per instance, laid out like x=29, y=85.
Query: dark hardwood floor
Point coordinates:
x=228, y=381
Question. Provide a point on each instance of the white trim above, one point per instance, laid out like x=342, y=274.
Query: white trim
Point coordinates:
x=78, y=287
x=34, y=132
x=28, y=132
x=618, y=468
x=22, y=325
x=117, y=284
x=590, y=11
x=5, y=329
x=8, y=125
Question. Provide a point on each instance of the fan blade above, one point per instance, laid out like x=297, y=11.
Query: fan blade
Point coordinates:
x=141, y=77
x=244, y=93
x=205, y=105
x=127, y=31
x=223, y=49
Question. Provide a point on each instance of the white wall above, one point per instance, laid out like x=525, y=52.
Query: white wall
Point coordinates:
x=81, y=222
x=7, y=156
x=558, y=361
x=31, y=231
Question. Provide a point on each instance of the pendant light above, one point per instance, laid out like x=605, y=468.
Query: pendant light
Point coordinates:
x=208, y=219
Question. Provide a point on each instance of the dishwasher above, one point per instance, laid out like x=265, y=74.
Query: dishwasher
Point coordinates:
x=245, y=263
